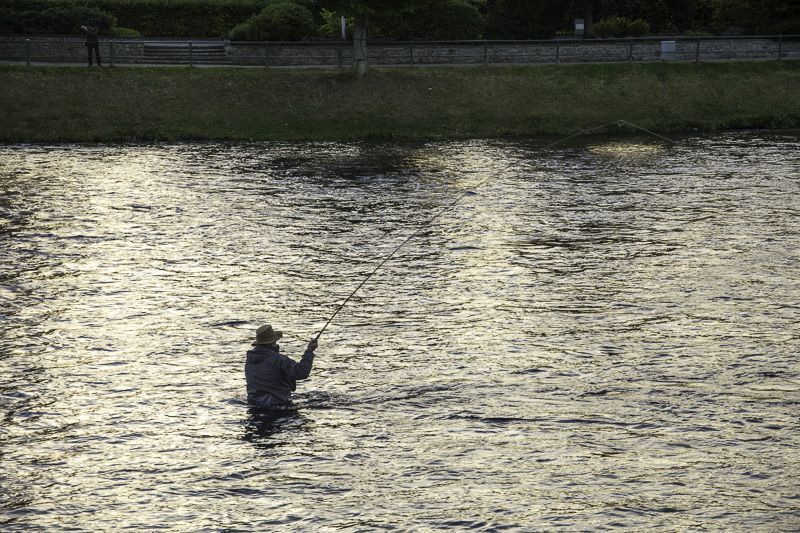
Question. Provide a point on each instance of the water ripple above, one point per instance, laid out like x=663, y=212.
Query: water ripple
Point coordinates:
x=603, y=335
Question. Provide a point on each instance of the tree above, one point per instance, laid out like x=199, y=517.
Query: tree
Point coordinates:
x=363, y=13
x=588, y=7
x=408, y=18
x=369, y=12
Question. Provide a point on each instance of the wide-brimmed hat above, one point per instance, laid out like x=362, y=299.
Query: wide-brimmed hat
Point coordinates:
x=266, y=335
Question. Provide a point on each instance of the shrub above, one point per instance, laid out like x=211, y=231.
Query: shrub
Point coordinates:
x=637, y=28
x=117, y=31
x=160, y=18
x=616, y=27
x=279, y=21
x=612, y=27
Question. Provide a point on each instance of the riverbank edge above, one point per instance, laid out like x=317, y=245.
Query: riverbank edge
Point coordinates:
x=80, y=104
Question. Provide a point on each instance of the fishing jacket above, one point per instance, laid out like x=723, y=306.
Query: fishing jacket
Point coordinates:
x=272, y=376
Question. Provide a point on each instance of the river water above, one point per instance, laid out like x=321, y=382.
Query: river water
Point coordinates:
x=604, y=334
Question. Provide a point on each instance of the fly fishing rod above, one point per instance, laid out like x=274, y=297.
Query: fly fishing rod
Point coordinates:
x=383, y=262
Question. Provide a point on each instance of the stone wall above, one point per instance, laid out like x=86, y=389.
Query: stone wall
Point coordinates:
x=290, y=54
x=478, y=52
x=127, y=51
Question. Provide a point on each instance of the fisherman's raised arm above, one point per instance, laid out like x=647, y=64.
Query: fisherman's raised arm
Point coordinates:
x=300, y=370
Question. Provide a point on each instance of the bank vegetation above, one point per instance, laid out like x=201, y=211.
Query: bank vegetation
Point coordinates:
x=277, y=20
x=53, y=104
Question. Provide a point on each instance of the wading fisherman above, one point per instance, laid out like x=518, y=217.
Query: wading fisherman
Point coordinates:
x=272, y=376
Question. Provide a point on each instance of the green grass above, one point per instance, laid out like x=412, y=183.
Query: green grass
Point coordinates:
x=45, y=104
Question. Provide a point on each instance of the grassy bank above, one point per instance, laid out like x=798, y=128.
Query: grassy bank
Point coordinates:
x=117, y=104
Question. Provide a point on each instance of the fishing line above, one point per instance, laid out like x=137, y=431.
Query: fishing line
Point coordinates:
x=471, y=192
x=423, y=225
x=618, y=122
x=587, y=130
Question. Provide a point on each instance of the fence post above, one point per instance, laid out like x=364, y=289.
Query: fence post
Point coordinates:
x=191, y=54
x=485, y=52
x=558, y=51
x=111, y=52
x=697, y=50
x=28, y=52
x=340, y=57
x=780, y=46
x=630, y=50
x=411, y=53
x=266, y=53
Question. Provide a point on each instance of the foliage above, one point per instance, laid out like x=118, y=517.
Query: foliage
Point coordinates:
x=128, y=33
x=696, y=33
x=687, y=14
x=407, y=19
x=423, y=19
x=787, y=27
x=614, y=27
x=160, y=18
x=733, y=17
x=707, y=16
x=279, y=21
x=332, y=24
x=56, y=20
x=638, y=28
x=523, y=19
x=779, y=16
x=449, y=20
x=661, y=15
x=386, y=18
x=617, y=27
x=655, y=12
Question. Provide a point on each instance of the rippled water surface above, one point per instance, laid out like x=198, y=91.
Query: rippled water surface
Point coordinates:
x=605, y=334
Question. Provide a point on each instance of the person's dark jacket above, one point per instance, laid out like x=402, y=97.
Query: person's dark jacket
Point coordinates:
x=91, y=36
x=271, y=376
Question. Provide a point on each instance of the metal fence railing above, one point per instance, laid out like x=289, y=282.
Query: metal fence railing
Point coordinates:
x=339, y=54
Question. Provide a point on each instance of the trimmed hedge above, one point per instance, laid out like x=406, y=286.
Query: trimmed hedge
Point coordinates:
x=159, y=18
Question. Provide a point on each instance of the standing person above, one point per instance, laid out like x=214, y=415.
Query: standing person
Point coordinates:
x=272, y=376
x=92, y=43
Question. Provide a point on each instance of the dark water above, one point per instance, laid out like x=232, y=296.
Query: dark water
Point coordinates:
x=606, y=334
